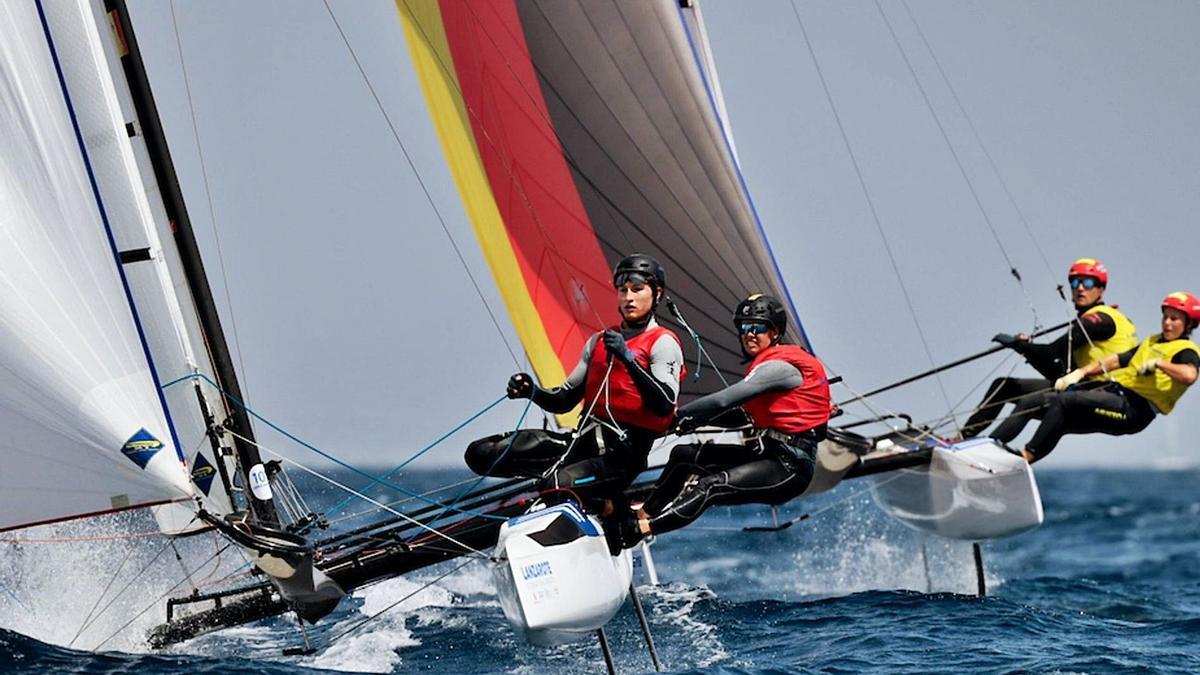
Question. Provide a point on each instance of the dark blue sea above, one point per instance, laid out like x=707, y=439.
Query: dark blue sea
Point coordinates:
x=1109, y=584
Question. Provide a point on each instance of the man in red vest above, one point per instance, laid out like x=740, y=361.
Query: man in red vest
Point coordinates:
x=628, y=381
x=784, y=397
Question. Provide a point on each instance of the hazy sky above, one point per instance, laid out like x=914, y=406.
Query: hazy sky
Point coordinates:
x=359, y=329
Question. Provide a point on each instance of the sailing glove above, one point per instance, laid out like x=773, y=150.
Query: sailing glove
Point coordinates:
x=1148, y=367
x=520, y=386
x=1005, y=340
x=1071, y=378
x=614, y=342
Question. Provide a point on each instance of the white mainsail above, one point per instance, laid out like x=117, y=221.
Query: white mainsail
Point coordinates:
x=86, y=429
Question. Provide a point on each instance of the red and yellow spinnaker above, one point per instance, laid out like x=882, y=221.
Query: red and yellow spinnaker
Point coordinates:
x=579, y=132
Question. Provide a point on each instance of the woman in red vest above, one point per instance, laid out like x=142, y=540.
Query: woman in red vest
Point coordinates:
x=784, y=397
x=628, y=381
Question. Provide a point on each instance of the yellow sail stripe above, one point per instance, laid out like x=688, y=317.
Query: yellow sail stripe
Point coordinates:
x=432, y=60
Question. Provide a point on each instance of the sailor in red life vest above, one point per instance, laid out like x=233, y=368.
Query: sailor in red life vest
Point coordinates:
x=1138, y=384
x=784, y=395
x=628, y=381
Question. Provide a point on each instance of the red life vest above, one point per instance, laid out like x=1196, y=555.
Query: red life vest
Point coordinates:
x=795, y=410
x=621, y=397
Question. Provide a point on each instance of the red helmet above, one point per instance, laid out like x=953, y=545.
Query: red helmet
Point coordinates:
x=1186, y=303
x=1089, y=267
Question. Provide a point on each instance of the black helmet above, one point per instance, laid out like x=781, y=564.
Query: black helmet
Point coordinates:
x=642, y=265
x=759, y=307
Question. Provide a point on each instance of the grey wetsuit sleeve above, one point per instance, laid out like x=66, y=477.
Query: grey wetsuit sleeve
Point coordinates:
x=562, y=398
x=773, y=375
x=659, y=386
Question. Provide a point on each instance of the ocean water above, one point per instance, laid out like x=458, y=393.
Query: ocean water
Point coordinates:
x=1109, y=584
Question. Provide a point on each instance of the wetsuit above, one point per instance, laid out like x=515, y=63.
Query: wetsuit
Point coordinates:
x=786, y=396
x=1100, y=330
x=1125, y=404
x=631, y=405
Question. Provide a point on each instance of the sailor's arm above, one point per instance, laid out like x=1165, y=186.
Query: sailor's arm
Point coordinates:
x=566, y=396
x=1104, y=365
x=659, y=385
x=773, y=375
x=1182, y=368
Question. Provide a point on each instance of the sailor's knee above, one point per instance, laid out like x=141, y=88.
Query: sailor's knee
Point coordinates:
x=685, y=454
x=480, y=455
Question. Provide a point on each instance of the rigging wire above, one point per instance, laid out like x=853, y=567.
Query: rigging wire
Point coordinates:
x=869, y=199
x=433, y=531
x=979, y=140
x=212, y=212
x=1012, y=268
x=234, y=400
x=420, y=181
x=422, y=451
x=93, y=615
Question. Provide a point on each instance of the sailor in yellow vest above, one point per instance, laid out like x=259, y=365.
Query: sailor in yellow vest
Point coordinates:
x=1099, y=330
x=1140, y=383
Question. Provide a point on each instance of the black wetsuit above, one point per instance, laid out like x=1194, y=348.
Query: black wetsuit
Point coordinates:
x=1052, y=360
x=603, y=460
x=1105, y=407
x=764, y=470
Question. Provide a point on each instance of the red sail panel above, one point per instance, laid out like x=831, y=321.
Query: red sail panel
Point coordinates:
x=551, y=234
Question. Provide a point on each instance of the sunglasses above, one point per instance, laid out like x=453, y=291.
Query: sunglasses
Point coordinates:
x=753, y=328
x=1087, y=282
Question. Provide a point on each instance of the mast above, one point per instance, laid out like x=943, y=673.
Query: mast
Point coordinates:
x=214, y=337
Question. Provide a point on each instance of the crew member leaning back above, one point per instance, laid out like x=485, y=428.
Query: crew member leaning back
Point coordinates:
x=1141, y=383
x=628, y=381
x=784, y=397
x=1098, y=330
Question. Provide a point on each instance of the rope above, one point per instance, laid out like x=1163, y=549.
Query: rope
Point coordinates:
x=212, y=213
x=862, y=182
x=424, y=189
x=495, y=463
x=93, y=615
x=427, y=448
x=392, y=511
x=979, y=139
x=322, y=453
x=1012, y=268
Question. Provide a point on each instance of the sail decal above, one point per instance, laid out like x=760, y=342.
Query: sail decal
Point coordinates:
x=112, y=242
x=593, y=134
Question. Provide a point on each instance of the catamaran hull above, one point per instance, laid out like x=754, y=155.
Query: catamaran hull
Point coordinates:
x=973, y=490
x=556, y=580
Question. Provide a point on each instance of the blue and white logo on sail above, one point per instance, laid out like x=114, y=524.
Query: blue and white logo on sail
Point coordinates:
x=141, y=447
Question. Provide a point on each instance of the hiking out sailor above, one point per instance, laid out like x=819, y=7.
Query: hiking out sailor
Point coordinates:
x=1097, y=331
x=628, y=380
x=784, y=397
x=1139, y=383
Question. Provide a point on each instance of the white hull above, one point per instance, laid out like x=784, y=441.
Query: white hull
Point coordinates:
x=555, y=578
x=973, y=490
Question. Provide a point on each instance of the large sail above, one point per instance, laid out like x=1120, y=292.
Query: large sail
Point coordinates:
x=85, y=429
x=579, y=132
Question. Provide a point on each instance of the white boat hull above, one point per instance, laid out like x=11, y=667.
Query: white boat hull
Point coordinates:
x=972, y=490
x=555, y=578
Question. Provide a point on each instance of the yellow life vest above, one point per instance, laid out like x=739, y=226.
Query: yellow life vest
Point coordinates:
x=1122, y=340
x=1156, y=387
